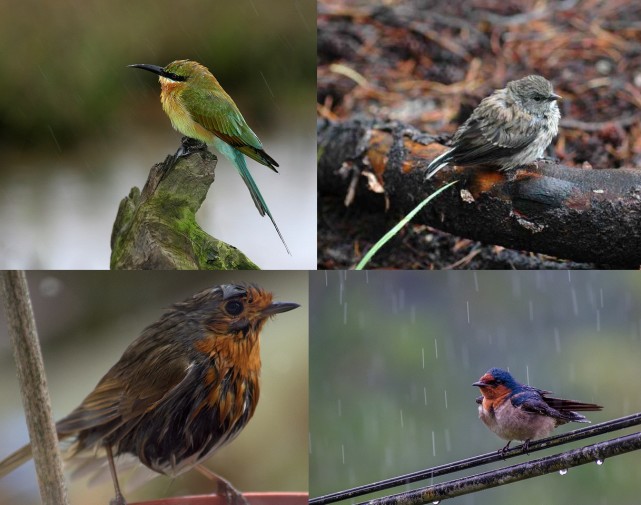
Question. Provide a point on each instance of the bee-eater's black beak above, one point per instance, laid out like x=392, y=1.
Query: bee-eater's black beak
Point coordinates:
x=554, y=96
x=278, y=307
x=479, y=384
x=158, y=70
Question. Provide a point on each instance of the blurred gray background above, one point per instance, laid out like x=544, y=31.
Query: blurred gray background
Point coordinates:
x=87, y=319
x=78, y=129
x=395, y=354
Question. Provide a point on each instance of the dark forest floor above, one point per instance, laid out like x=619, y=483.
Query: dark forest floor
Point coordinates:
x=429, y=63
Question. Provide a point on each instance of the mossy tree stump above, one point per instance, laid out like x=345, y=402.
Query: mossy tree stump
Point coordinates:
x=157, y=228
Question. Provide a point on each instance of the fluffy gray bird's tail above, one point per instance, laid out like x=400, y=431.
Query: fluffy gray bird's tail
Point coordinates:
x=438, y=163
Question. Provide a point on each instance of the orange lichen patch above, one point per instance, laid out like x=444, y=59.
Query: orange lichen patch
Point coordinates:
x=483, y=181
x=419, y=152
x=578, y=201
x=378, y=153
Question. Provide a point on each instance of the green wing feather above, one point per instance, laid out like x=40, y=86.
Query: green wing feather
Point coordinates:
x=214, y=110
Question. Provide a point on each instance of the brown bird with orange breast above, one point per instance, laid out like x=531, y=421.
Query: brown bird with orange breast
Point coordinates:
x=184, y=388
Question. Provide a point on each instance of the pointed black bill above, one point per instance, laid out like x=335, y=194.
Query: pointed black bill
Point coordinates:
x=278, y=307
x=158, y=70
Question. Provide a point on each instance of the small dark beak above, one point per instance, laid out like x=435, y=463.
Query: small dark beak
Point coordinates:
x=479, y=384
x=152, y=68
x=278, y=307
x=554, y=96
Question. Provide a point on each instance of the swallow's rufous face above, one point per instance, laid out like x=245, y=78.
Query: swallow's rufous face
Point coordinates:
x=492, y=388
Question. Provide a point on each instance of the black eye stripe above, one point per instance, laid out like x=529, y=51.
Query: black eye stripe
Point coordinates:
x=175, y=77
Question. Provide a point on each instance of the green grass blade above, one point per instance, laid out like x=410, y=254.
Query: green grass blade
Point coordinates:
x=398, y=226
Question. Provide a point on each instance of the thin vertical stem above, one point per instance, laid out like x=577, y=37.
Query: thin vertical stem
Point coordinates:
x=33, y=387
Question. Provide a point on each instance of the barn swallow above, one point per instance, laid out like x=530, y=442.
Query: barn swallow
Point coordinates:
x=518, y=412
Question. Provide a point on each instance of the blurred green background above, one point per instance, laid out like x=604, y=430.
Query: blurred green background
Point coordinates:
x=87, y=319
x=395, y=354
x=78, y=128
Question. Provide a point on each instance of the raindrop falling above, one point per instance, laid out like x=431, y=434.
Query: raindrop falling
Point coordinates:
x=436, y=348
x=563, y=471
x=267, y=84
x=575, y=303
x=599, y=461
x=468, y=312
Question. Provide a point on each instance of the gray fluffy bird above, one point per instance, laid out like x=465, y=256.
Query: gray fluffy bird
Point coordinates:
x=511, y=127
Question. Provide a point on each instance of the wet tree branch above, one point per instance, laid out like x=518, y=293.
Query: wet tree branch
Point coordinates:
x=579, y=214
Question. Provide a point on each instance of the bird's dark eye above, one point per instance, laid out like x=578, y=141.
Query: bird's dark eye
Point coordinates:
x=234, y=307
x=538, y=98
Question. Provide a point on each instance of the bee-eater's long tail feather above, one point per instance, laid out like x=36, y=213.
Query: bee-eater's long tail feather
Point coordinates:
x=238, y=160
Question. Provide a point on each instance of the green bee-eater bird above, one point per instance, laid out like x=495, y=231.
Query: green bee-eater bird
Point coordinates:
x=199, y=107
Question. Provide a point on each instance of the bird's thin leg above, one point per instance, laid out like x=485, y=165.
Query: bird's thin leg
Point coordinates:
x=526, y=446
x=224, y=487
x=504, y=450
x=119, y=499
x=189, y=145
